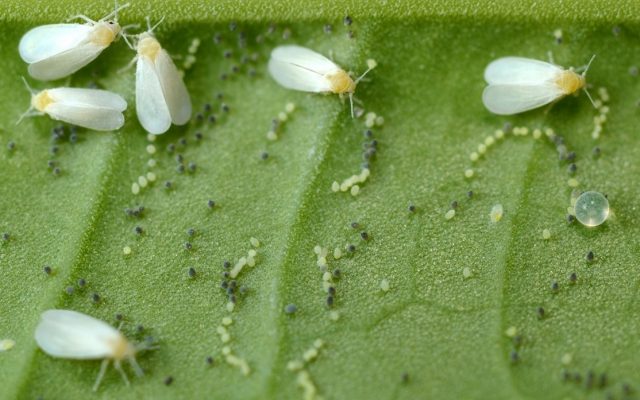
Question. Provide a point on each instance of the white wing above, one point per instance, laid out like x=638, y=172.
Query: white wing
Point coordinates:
x=95, y=98
x=98, y=119
x=175, y=92
x=513, y=99
x=299, y=68
x=70, y=334
x=65, y=63
x=520, y=71
x=151, y=106
x=48, y=40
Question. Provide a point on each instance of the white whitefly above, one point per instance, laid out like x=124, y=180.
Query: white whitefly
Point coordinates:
x=58, y=50
x=519, y=84
x=70, y=334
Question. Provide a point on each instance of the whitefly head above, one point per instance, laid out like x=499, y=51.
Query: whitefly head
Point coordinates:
x=148, y=45
x=106, y=30
x=40, y=100
x=121, y=348
x=341, y=82
x=569, y=81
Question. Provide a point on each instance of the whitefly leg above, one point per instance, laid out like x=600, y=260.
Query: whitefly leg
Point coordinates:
x=103, y=370
x=118, y=366
x=550, y=55
x=351, y=103
x=136, y=366
x=128, y=66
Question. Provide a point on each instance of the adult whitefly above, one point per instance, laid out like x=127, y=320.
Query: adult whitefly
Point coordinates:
x=58, y=50
x=161, y=95
x=95, y=109
x=73, y=335
x=299, y=68
x=518, y=84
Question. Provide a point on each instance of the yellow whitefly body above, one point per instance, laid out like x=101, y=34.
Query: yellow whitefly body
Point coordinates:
x=341, y=82
x=122, y=348
x=570, y=82
x=149, y=47
x=104, y=33
x=41, y=100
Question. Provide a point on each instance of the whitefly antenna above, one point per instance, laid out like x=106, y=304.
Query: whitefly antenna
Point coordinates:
x=371, y=64
x=114, y=13
x=584, y=74
x=152, y=28
x=130, y=26
x=28, y=112
x=147, y=344
x=588, y=65
x=82, y=17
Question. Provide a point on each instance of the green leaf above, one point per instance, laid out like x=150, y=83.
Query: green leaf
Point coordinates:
x=434, y=334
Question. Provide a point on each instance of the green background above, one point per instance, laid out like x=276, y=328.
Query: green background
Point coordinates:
x=445, y=332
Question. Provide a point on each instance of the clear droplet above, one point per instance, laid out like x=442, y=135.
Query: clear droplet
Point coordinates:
x=592, y=208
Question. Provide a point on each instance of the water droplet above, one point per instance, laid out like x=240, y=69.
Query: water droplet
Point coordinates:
x=592, y=208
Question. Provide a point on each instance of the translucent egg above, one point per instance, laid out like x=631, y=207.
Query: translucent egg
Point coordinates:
x=592, y=208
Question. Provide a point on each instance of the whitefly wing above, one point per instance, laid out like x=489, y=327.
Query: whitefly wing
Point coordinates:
x=70, y=334
x=63, y=64
x=151, y=107
x=513, y=99
x=175, y=92
x=94, y=98
x=299, y=68
x=46, y=41
x=99, y=119
x=90, y=108
x=520, y=71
